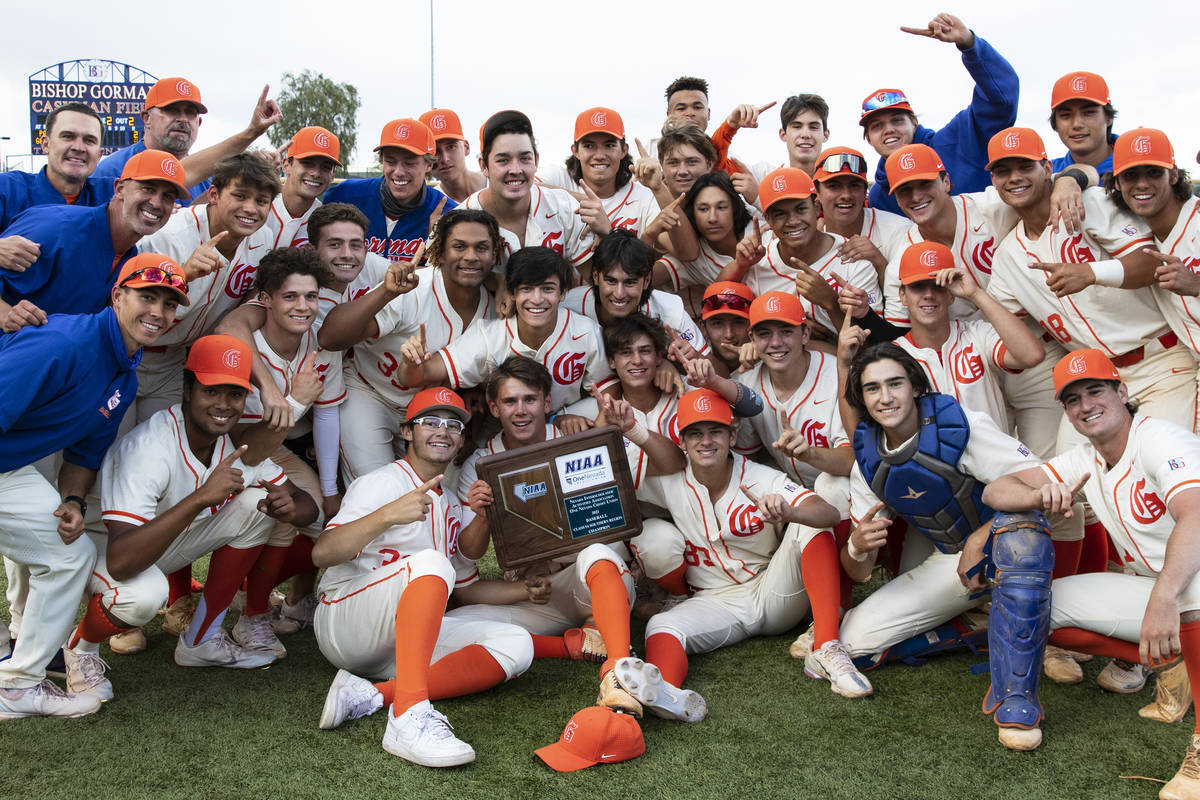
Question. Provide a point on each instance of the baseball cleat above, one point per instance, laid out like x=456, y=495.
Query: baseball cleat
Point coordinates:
x=1186, y=783
x=126, y=643
x=1172, y=695
x=832, y=663
x=220, y=651
x=1021, y=738
x=296, y=617
x=424, y=736
x=800, y=648
x=1122, y=677
x=45, y=700
x=645, y=682
x=255, y=633
x=85, y=675
x=179, y=615
x=615, y=696
x=586, y=644
x=1060, y=667
x=350, y=697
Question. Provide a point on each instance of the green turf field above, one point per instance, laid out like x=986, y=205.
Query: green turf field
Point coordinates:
x=771, y=732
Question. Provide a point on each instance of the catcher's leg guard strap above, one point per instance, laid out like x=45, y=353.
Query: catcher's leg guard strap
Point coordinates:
x=1023, y=555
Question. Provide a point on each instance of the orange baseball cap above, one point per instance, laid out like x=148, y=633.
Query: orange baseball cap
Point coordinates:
x=166, y=91
x=913, y=162
x=882, y=99
x=847, y=160
x=595, y=735
x=315, y=141
x=785, y=183
x=220, y=360
x=777, y=307
x=407, y=134
x=436, y=398
x=919, y=261
x=599, y=120
x=1079, y=86
x=151, y=269
x=703, y=405
x=1016, y=143
x=1142, y=147
x=444, y=123
x=1088, y=364
x=726, y=297
x=157, y=165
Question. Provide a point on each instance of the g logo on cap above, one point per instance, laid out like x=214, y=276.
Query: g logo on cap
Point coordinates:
x=184, y=88
x=1141, y=145
x=1011, y=140
x=166, y=266
x=929, y=259
x=321, y=140
x=444, y=396
x=907, y=161
x=1079, y=84
x=1076, y=365
x=773, y=305
x=600, y=118
x=168, y=167
x=881, y=97
x=232, y=358
x=402, y=131
x=703, y=404
x=569, y=732
x=779, y=184
x=438, y=122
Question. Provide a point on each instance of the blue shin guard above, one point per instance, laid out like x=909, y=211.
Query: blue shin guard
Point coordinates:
x=1023, y=556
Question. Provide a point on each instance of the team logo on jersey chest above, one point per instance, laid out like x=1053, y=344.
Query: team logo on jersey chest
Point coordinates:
x=1146, y=506
x=568, y=368
x=967, y=365
x=111, y=404
x=553, y=241
x=982, y=254
x=1074, y=251
x=240, y=280
x=812, y=432
x=745, y=520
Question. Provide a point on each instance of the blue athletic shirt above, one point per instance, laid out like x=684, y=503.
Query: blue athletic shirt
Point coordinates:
x=408, y=232
x=23, y=190
x=1062, y=162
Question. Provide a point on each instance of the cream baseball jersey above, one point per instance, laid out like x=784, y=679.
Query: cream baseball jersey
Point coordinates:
x=212, y=295
x=552, y=222
x=286, y=230
x=662, y=306
x=812, y=409
x=371, y=275
x=327, y=363
x=439, y=530
x=573, y=352
x=1131, y=498
x=467, y=475
x=728, y=541
x=982, y=222
x=701, y=272
x=1110, y=319
x=967, y=366
x=884, y=230
x=631, y=207
x=152, y=469
x=1183, y=313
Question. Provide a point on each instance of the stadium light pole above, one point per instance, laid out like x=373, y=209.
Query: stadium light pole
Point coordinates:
x=431, y=103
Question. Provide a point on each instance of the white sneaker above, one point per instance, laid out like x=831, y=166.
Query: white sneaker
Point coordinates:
x=350, y=697
x=1123, y=677
x=424, y=736
x=833, y=663
x=45, y=700
x=85, y=674
x=645, y=682
x=220, y=651
x=296, y=617
x=255, y=633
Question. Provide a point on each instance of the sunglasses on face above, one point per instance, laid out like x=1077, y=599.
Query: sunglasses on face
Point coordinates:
x=159, y=276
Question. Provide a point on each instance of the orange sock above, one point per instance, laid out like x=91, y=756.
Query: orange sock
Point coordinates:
x=610, y=608
x=388, y=690
x=665, y=652
x=1093, y=554
x=418, y=623
x=819, y=568
x=1189, y=642
x=467, y=671
x=549, y=647
x=1066, y=557
x=179, y=584
x=1085, y=641
x=96, y=625
x=674, y=582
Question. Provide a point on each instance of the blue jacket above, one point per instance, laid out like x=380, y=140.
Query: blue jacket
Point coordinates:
x=23, y=190
x=110, y=167
x=962, y=142
x=1062, y=162
x=69, y=383
x=408, y=232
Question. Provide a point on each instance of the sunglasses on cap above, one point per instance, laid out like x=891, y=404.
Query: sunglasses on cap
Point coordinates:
x=883, y=100
x=733, y=302
x=843, y=162
x=433, y=423
x=159, y=276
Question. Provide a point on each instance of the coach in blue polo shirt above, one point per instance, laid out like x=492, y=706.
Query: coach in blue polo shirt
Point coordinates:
x=82, y=249
x=69, y=383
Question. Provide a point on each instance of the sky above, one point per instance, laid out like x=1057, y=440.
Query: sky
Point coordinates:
x=555, y=59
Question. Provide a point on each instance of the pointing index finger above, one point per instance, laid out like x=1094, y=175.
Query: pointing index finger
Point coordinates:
x=771, y=104
x=234, y=456
x=753, y=497
x=917, y=31
x=870, y=515
x=641, y=148
x=213, y=241
x=432, y=483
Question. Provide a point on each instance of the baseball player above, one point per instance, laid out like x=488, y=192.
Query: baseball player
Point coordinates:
x=395, y=551
x=172, y=120
x=172, y=490
x=455, y=179
x=1138, y=474
x=921, y=456
x=684, y=154
x=448, y=298
x=566, y=343
x=312, y=157
x=725, y=317
x=81, y=249
x=753, y=545
x=530, y=214
x=1082, y=114
x=687, y=105
x=73, y=380
x=805, y=121
x=399, y=205
x=889, y=122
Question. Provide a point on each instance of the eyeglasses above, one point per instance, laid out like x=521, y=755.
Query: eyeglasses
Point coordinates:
x=158, y=275
x=733, y=302
x=433, y=423
x=843, y=162
x=883, y=100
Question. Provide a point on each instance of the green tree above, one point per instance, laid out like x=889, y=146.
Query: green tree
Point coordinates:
x=312, y=99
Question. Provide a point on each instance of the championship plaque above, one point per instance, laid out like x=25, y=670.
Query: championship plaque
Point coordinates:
x=557, y=497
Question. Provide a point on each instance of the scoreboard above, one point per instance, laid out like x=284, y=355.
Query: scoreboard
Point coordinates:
x=116, y=91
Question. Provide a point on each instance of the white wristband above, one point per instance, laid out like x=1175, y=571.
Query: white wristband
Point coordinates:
x=638, y=434
x=1109, y=272
x=296, y=407
x=855, y=553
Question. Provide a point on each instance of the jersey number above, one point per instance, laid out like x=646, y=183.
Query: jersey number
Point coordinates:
x=696, y=556
x=389, y=369
x=1054, y=325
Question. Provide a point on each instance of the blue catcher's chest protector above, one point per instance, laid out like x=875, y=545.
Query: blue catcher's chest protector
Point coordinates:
x=921, y=482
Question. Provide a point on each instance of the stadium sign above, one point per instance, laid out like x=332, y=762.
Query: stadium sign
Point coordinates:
x=115, y=90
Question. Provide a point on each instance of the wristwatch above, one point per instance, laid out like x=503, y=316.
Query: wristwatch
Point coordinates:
x=77, y=500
